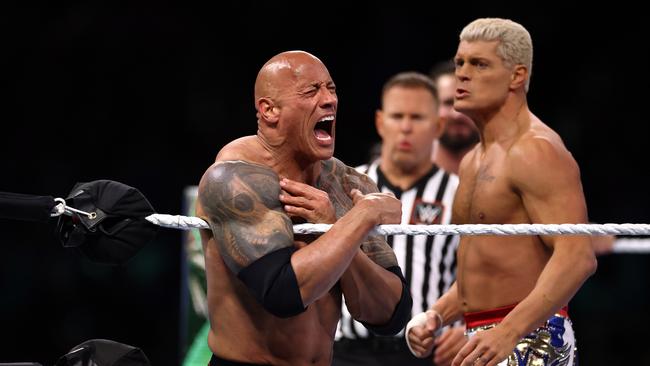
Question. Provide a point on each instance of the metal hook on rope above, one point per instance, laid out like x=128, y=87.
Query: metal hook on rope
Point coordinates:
x=61, y=208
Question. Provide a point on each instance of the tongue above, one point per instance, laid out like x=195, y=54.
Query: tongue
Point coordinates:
x=322, y=135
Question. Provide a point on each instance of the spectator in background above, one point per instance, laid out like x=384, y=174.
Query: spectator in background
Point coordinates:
x=460, y=134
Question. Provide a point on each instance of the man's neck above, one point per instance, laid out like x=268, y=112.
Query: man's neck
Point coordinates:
x=285, y=163
x=505, y=123
x=305, y=173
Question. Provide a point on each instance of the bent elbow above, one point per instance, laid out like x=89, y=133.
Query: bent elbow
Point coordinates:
x=401, y=311
x=588, y=264
x=592, y=266
x=354, y=308
x=398, y=319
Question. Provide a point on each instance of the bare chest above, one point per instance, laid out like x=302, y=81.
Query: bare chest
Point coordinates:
x=485, y=194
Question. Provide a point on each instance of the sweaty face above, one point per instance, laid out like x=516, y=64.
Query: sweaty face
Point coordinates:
x=460, y=131
x=482, y=78
x=308, y=104
x=408, y=125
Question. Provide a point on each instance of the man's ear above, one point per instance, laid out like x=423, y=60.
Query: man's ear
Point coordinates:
x=379, y=122
x=267, y=110
x=519, y=77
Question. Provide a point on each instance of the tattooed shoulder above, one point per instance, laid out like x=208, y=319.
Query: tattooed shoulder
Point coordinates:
x=241, y=205
x=346, y=178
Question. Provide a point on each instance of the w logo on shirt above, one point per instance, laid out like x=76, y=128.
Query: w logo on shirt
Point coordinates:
x=426, y=213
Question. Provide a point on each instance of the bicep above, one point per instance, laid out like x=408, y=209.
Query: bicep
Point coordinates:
x=240, y=203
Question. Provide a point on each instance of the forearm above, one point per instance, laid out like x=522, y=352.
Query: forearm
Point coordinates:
x=449, y=306
x=371, y=292
x=321, y=264
x=424, y=327
x=567, y=269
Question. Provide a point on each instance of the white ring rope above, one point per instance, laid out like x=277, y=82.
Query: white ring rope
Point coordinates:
x=187, y=223
x=177, y=221
x=503, y=229
x=621, y=245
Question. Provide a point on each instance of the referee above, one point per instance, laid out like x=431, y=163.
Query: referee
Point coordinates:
x=408, y=123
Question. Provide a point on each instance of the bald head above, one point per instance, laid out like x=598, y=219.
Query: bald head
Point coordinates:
x=281, y=69
x=294, y=92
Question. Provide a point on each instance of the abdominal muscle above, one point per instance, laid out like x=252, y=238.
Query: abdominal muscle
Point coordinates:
x=496, y=271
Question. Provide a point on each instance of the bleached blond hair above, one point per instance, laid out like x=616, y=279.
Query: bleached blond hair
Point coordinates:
x=515, y=45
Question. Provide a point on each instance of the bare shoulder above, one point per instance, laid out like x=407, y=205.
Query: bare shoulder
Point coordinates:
x=538, y=145
x=239, y=200
x=547, y=178
x=227, y=177
x=243, y=148
x=540, y=154
x=338, y=179
x=347, y=176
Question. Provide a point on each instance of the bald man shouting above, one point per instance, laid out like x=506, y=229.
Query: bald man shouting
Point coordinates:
x=275, y=297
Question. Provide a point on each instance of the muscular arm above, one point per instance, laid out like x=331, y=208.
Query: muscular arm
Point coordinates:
x=423, y=328
x=449, y=306
x=548, y=181
x=371, y=291
x=240, y=202
x=374, y=295
x=254, y=238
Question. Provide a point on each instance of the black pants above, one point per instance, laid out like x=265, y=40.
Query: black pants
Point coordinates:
x=377, y=351
x=218, y=361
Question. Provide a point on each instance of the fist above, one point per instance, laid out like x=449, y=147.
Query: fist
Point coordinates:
x=381, y=208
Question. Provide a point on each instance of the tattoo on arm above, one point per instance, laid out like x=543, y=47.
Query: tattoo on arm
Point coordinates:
x=242, y=208
x=379, y=251
x=338, y=180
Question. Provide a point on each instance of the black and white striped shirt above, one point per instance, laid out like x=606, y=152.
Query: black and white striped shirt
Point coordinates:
x=428, y=262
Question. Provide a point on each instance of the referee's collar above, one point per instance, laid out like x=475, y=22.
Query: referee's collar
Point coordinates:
x=382, y=181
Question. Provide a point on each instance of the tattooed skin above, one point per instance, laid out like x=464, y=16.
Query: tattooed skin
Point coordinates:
x=338, y=179
x=241, y=201
x=244, y=212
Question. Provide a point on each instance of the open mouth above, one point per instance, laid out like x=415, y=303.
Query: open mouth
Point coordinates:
x=323, y=129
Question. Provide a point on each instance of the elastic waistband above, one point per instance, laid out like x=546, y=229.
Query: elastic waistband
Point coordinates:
x=480, y=318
